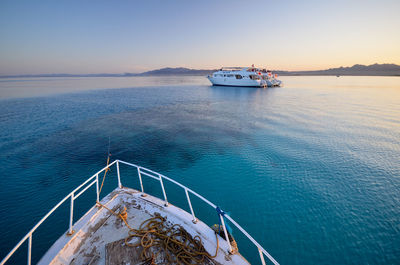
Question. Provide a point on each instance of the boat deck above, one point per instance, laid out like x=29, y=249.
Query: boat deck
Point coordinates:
x=99, y=236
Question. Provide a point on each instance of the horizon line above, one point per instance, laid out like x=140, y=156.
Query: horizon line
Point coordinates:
x=169, y=67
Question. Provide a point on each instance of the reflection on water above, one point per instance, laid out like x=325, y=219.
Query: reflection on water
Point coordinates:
x=32, y=87
x=310, y=169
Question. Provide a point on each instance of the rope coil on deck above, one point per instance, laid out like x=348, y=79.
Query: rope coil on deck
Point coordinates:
x=178, y=245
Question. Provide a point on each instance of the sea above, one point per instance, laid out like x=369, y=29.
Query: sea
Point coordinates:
x=311, y=170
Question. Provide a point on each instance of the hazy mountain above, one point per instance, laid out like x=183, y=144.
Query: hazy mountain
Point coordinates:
x=178, y=71
x=357, y=69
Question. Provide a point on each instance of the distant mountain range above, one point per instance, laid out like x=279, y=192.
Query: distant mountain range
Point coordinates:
x=158, y=72
x=355, y=70
x=178, y=71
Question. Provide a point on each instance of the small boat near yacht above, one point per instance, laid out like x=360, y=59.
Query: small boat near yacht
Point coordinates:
x=243, y=77
x=270, y=78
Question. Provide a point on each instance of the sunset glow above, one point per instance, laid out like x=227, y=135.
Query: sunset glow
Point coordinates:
x=135, y=36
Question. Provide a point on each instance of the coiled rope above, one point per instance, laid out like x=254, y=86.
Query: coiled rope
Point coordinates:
x=176, y=243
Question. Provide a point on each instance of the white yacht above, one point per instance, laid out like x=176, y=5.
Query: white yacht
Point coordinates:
x=130, y=226
x=238, y=76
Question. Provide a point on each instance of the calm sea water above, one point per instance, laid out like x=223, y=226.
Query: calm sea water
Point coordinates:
x=311, y=169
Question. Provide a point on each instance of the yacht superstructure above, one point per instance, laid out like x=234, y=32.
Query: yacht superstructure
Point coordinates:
x=243, y=77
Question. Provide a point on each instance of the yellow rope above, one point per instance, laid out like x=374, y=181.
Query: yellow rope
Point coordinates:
x=179, y=246
x=105, y=173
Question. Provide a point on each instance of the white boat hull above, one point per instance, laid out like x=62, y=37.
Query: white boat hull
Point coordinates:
x=223, y=81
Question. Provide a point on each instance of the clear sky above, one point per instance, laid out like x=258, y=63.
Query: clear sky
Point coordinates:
x=134, y=36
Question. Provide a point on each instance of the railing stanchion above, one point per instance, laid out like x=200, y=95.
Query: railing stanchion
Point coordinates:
x=190, y=205
x=71, y=215
x=97, y=188
x=163, y=190
x=30, y=249
x=140, y=178
x=119, y=177
x=225, y=232
x=261, y=256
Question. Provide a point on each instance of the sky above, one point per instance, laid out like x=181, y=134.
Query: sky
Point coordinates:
x=82, y=37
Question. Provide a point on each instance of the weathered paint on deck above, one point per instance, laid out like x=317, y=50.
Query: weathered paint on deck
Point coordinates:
x=99, y=230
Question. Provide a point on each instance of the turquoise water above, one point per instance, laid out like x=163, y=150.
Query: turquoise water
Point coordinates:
x=311, y=169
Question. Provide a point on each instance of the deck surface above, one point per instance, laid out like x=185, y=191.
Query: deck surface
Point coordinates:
x=99, y=236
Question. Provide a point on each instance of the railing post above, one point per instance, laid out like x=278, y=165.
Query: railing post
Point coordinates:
x=97, y=188
x=163, y=190
x=119, y=177
x=30, y=249
x=190, y=205
x=71, y=216
x=225, y=232
x=261, y=256
x=140, y=178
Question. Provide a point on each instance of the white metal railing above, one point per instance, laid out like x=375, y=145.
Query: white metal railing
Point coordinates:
x=141, y=171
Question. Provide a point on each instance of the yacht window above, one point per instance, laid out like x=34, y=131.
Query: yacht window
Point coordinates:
x=230, y=75
x=254, y=77
x=239, y=77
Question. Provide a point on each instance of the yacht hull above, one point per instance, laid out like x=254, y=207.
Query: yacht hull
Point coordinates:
x=235, y=82
x=236, y=85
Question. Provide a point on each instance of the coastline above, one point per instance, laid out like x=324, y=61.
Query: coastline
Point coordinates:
x=355, y=70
